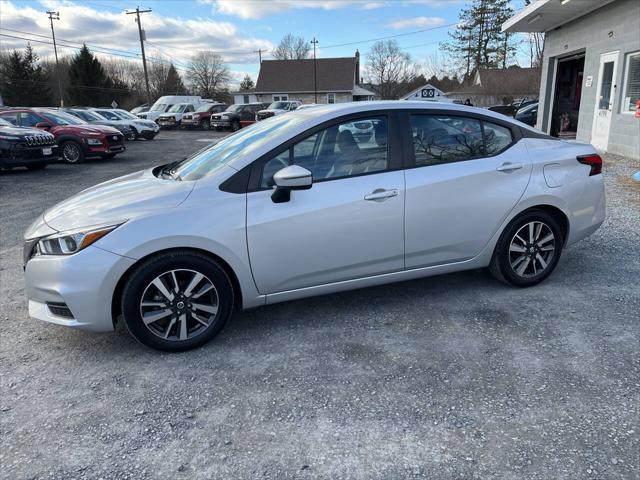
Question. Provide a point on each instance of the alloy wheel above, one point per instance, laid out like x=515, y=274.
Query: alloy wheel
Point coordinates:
x=71, y=153
x=532, y=249
x=179, y=304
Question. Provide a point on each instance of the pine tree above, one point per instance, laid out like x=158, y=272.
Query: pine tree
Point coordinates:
x=478, y=41
x=24, y=82
x=173, y=84
x=88, y=83
x=246, y=84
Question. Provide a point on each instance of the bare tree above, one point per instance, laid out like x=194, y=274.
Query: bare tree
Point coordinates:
x=535, y=43
x=389, y=67
x=208, y=74
x=292, y=48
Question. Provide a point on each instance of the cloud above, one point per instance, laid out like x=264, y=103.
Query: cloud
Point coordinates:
x=172, y=37
x=254, y=9
x=416, y=22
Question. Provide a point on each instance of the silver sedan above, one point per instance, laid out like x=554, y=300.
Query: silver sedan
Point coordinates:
x=295, y=206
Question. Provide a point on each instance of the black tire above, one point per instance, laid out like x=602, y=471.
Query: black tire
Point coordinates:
x=205, y=125
x=139, y=282
x=235, y=126
x=134, y=134
x=505, y=263
x=37, y=166
x=72, y=146
x=149, y=136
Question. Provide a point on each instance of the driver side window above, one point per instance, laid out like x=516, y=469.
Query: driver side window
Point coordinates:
x=342, y=150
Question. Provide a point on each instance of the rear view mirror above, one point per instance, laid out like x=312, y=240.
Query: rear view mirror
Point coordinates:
x=293, y=177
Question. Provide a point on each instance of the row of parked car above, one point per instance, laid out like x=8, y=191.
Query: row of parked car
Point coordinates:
x=35, y=137
x=525, y=111
x=182, y=111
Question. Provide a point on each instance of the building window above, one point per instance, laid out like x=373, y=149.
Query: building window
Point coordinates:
x=331, y=98
x=283, y=97
x=245, y=99
x=631, y=93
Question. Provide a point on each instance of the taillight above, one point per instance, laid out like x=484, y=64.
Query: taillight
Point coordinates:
x=594, y=161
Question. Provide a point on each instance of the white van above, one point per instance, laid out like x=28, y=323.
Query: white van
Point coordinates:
x=163, y=104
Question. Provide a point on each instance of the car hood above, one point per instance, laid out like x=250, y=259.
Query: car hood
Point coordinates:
x=21, y=131
x=87, y=129
x=273, y=110
x=116, y=200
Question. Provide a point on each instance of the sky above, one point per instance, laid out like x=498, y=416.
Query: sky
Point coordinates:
x=236, y=29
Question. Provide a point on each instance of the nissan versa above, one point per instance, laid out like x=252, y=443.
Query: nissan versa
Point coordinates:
x=296, y=206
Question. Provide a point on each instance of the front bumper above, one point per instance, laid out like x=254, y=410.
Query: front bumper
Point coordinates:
x=218, y=123
x=84, y=282
x=22, y=157
x=168, y=122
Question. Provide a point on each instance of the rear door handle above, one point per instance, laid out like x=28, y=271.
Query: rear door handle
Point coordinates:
x=381, y=194
x=509, y=167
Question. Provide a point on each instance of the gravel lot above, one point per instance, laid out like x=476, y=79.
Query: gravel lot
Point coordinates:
x=455, y=376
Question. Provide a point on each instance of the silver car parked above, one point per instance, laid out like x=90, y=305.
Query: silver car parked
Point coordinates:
x=294, y=206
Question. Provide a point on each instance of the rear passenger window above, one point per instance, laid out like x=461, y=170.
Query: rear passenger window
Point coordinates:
x=496, y=138
x=442, y=139
x=11, y=117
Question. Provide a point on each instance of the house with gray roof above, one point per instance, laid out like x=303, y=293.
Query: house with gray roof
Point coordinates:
x=324, y=80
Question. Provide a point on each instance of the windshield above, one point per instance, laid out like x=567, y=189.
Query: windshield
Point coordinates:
x=86, y=115
x=60, y=118
x=4, y=123
x=528, y=108
x=107, y=114
x=242, y=143
x=161, y=107
x=204, y=108
x=178, y=107
x=279, y=106
x=235, y=108
x=125, y=115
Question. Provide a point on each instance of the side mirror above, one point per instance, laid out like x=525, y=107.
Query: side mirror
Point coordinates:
x=43, y=125
x=293, y=177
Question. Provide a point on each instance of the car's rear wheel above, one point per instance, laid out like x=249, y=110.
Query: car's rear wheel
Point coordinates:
x=177, y=301
x=528, y=250
x=72, y=152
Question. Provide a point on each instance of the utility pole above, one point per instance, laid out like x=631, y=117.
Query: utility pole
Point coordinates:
x=259, y=52
x=56, y=16
x=137, y=12
x=315, y=76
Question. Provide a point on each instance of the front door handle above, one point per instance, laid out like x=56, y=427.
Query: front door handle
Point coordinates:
x=381, y=194
x=509, y=167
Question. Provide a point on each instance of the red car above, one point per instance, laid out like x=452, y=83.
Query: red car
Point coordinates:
x=76, y=138
x=201, y=117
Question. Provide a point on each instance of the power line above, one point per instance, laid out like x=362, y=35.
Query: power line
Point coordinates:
x=390, y=36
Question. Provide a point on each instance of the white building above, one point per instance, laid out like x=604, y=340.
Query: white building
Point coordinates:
x=427, y=93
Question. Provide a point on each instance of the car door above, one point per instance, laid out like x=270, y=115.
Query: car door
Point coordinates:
x=348, y=225
x=467, y=176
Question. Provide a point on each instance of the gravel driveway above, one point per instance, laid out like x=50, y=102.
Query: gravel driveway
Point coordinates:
x=455, y=376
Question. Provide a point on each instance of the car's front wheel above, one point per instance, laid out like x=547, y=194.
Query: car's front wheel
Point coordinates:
x=177, y=301
x=528, y=250
x=72, y=152
x=205, y=125
x=235, y=126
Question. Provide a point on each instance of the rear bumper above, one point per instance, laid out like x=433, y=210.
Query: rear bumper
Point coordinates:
x=84, y=282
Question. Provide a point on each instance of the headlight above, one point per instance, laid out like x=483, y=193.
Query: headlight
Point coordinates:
x=68, y=243
x=94, y=141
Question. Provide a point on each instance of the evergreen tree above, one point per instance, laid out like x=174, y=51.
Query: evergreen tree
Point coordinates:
x=173, y=84
x=23, y=80
x=88, y=83
x=246, y=84
x=478, y=41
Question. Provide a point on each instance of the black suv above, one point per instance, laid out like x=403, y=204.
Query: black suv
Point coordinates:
x=237, y=116
x=26, y=147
